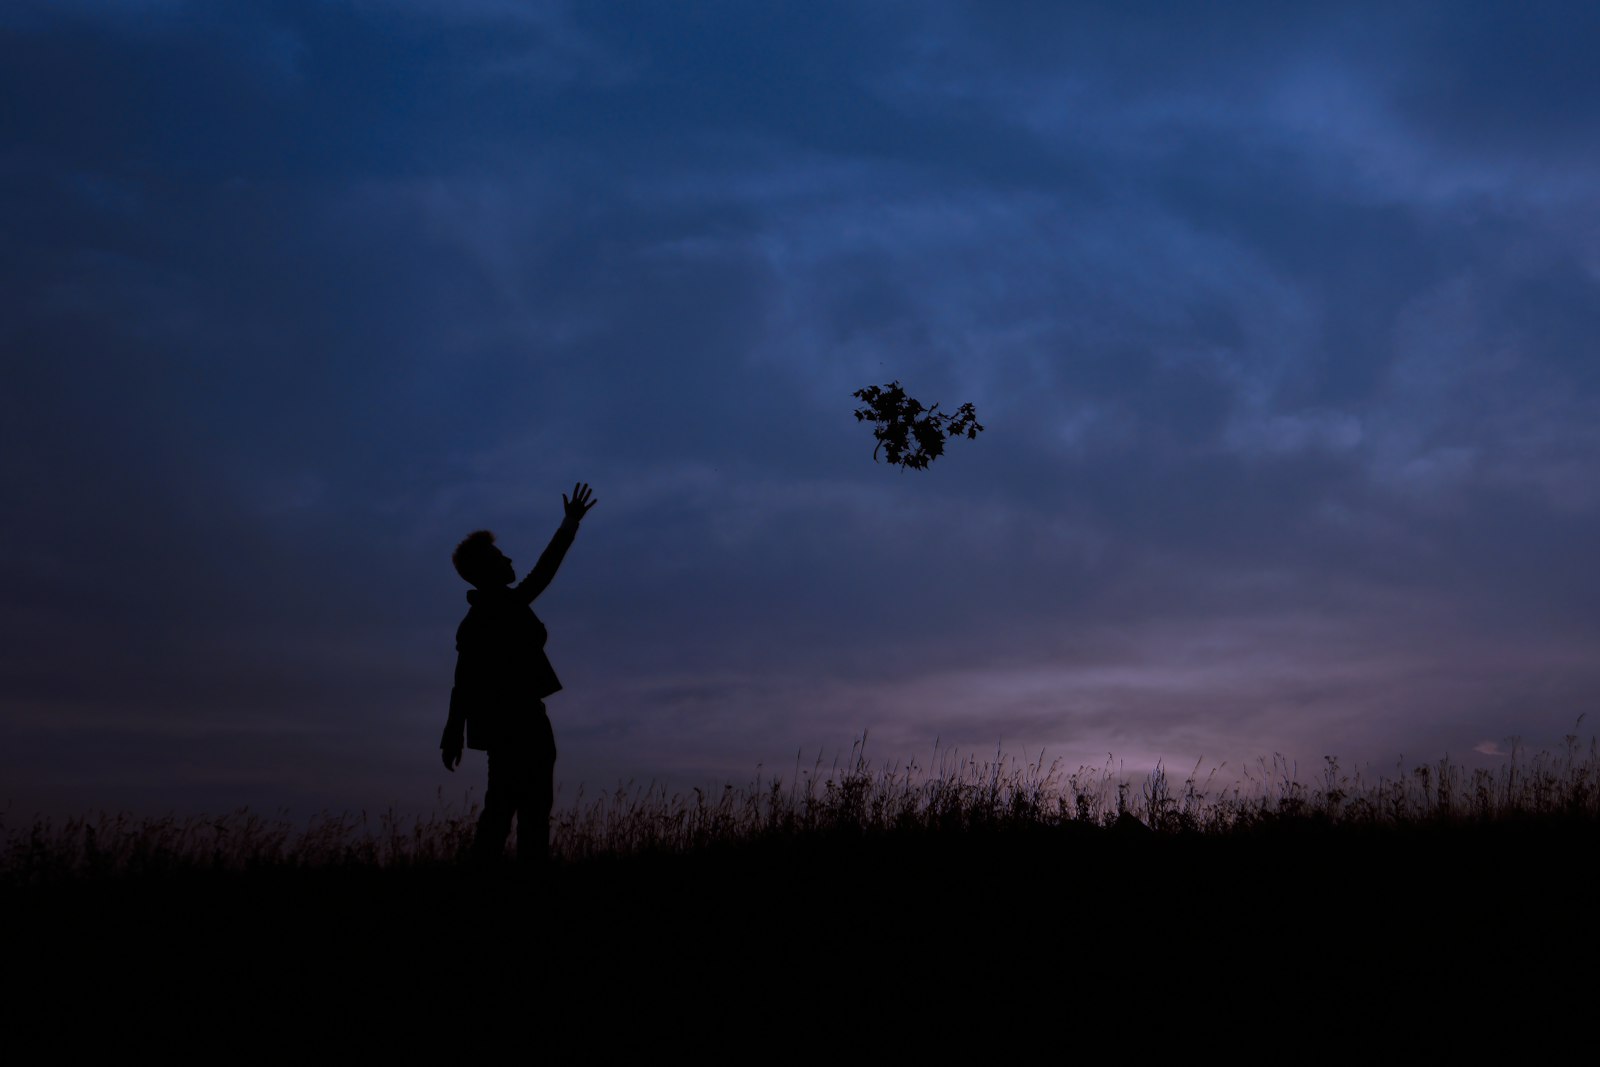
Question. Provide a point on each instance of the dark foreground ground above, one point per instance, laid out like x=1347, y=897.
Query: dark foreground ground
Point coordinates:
x=1303, y=944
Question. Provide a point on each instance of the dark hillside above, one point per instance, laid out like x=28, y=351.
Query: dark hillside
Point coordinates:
x=854, y=910
x=1276, y=924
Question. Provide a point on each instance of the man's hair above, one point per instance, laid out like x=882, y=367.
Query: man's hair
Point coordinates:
x=472, y=554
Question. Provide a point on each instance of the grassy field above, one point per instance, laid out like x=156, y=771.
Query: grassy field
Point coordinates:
x=853, y=807
x=846, y=895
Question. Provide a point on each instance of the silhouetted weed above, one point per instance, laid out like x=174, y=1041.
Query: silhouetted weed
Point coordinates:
x=850, y=807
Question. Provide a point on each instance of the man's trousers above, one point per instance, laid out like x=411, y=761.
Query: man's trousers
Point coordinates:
x=521, y=784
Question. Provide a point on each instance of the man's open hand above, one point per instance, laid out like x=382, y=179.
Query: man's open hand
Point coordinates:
x=452, y=758
x=580, y=503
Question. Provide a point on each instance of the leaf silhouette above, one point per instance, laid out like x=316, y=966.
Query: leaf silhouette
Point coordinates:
x=901, y=419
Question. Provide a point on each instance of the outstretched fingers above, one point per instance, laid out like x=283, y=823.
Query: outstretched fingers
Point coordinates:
x=581, y=501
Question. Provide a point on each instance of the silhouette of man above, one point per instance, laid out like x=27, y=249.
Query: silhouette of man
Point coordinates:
x=502, y=678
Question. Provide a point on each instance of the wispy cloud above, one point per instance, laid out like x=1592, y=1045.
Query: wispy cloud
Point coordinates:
x=1281, y=326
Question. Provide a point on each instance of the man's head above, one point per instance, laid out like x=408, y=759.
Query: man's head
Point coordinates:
x=482, y=564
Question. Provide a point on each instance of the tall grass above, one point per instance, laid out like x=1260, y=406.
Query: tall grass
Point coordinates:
x=963, y=794
x=117, y=844
x=957, y=795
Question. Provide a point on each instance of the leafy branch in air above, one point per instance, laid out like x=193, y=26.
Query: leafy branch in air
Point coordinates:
x=908, y=433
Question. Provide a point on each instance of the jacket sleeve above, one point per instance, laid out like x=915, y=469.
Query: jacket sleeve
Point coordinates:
x=538, y=578
x=454, y=737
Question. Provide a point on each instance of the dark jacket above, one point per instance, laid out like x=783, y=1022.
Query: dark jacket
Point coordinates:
x=502, y=673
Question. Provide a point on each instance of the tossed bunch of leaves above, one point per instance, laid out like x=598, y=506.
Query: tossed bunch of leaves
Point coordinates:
x=909, y=434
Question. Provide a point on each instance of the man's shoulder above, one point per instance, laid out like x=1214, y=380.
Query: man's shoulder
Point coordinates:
x=491, y=611
x=485, y=602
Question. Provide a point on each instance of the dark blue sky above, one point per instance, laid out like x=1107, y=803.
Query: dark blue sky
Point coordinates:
x=1282, y=324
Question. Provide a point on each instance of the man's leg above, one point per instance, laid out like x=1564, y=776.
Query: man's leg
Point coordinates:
x=538, y=796
x=499, y=804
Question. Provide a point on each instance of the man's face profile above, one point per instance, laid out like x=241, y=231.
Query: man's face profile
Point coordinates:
x=497, y=569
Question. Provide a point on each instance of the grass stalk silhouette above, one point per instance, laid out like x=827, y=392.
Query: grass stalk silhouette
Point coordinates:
x=853, y=801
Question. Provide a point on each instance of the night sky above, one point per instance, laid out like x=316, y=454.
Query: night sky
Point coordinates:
x=1282, y=326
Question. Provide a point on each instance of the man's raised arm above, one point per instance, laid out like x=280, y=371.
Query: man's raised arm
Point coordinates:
x=550, y=559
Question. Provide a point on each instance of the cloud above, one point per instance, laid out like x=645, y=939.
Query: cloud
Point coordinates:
x=1286, y=380
x=148, y=16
